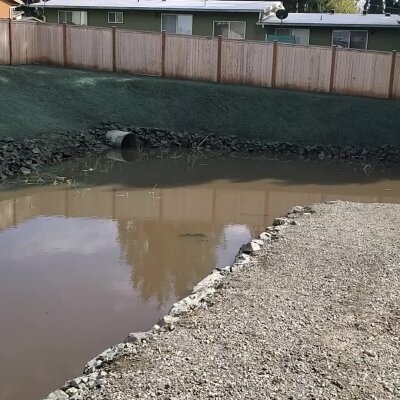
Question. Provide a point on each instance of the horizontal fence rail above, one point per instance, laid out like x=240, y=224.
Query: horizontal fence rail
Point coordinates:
x=277, y=65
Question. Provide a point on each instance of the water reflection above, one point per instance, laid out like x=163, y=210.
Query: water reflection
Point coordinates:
x=83, y=265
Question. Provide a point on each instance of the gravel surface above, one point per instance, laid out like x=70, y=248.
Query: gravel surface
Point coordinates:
x=315, y=315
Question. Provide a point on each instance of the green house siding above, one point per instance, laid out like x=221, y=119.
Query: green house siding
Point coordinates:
x=378, y=38
x=151, y=21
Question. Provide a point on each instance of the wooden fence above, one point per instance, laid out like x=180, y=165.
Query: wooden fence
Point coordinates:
x=277, y=65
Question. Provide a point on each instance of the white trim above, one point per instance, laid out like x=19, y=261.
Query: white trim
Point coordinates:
x=351, y=30
x=165, y=6
x=218, y=21
x=115, y=12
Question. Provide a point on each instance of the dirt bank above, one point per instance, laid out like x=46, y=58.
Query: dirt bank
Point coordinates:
x=38, y=99
x=312, y=313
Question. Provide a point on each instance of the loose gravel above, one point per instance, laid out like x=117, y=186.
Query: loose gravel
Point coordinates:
x=314, y=315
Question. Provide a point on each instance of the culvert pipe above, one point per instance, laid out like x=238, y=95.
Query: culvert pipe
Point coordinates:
x=123, y=154
x=121, y=139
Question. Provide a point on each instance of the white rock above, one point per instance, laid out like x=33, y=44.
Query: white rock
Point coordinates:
x=75, y=382
x=136, y=337
x=168, y=320
x=265, y=236
x=57, y=395
x=225, y=270
x=242, y=258
x=297, y=209
x=211, y=280
x=281, y=221
x=250, y=247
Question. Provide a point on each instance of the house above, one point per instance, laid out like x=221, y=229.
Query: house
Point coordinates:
x=8, y=9
x=231, y=19
x=355, y=31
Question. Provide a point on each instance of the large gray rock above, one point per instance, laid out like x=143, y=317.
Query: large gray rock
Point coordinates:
x=242, y=259
x=57, y=395
x=212, y=280
x=136, y=337
x=168, y=320
x=281, y=221
x=251, y=247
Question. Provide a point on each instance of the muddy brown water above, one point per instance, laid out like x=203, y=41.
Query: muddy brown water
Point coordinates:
x=85, y=263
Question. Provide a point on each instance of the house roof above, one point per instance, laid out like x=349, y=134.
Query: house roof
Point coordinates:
x=181, y=5
x=14, y=2
x=352, y=20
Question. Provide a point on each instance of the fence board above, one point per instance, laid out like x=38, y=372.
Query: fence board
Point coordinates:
x=49, y=44
x=356, y=72
x=246, y=62
x=23, y=43
x=138, y=52
x=89, y=48
x=396, y=80
x=191, y=57
x=4, y=43
x=362, y=73
x=303, y=67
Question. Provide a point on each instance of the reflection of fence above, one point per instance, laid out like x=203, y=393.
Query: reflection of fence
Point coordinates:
x=322, y=69
x=203, y=205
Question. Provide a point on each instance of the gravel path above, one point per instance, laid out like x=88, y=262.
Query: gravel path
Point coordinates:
x=315, y=315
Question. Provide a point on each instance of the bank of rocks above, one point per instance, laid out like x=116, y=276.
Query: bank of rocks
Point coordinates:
x=162, y=138
x=99, y=370
x=26, y=156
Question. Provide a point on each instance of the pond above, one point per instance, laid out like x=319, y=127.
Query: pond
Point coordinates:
x=95, y=248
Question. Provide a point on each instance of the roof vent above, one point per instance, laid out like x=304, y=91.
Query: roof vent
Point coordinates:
x=332, y=11
x=387, y=14
x=364, y=12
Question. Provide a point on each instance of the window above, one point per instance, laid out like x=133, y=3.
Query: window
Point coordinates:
x=350, y=39
x=230, y=29
x=115, y=17
x=173, y=23
x=297, y=36
x=72, y=17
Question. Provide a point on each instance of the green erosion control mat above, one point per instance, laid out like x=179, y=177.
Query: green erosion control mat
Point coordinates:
x=37, y=99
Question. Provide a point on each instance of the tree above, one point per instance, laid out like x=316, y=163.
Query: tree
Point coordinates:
x=343, y=6
x=340, y=6
x=393, y=6
x=375, y=6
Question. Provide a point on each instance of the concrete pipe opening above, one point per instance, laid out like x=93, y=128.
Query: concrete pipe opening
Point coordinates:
x=121, y=139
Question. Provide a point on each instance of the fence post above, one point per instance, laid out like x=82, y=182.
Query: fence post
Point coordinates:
x=333, y=66
x=219, y=58
x=162, y=54
x=65, y=56
x=391, y=77
x=10, y=40
x=114, y=48
x=274, y=62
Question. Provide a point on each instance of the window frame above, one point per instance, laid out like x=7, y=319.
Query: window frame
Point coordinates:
x=351, y=30
x=65, y=12
x=176, y=22
x=72, y=17
x=291, y=34
x=115, y=13
x=229, y=22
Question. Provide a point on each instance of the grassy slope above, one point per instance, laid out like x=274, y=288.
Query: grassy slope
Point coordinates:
x=36, y=99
